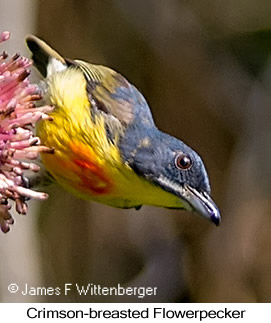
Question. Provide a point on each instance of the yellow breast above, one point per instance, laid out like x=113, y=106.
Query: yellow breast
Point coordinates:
x=83, y=155
x=85, y=162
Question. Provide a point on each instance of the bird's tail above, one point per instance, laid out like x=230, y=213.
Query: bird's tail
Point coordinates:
x=45, y=58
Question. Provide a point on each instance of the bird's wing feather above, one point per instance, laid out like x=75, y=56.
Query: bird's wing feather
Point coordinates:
x=108, y=91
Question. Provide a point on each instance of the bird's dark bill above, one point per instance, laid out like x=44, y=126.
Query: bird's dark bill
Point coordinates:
x=202, y=203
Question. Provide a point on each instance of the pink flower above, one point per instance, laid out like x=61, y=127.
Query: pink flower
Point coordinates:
x=18, y=143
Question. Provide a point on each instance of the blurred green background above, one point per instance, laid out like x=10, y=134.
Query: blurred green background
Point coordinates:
x=204, y=67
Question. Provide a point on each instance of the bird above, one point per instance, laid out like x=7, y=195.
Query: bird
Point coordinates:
x=107, y=147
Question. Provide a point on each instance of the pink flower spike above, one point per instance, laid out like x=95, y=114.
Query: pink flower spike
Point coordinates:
x=18, y=143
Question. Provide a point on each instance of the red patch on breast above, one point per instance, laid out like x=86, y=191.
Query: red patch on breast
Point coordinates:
x=92, y=175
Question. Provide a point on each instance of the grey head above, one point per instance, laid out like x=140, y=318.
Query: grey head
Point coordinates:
x=168, y=163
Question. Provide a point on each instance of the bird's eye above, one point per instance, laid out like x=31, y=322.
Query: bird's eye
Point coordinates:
x=183, y=161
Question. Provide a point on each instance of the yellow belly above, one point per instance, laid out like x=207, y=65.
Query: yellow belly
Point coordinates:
x=79, y=171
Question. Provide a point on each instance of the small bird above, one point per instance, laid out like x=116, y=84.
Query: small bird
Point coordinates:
x=107, y=147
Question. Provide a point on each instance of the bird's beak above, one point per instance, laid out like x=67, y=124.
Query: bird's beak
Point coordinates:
x=202, y=203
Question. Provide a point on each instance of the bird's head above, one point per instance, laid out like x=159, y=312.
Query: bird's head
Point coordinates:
x=176, y=168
